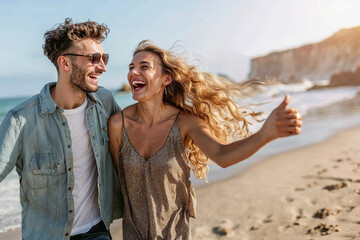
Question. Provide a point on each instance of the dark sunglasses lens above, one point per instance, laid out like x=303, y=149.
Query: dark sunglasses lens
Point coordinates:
x=105, y=58
x=96, y=58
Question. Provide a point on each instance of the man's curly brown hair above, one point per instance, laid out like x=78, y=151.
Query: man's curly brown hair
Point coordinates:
x=61, y=38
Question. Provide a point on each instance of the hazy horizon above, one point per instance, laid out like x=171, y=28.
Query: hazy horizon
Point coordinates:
x=223, y=36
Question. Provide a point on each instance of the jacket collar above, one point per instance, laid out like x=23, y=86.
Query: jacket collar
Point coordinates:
x=48, y=105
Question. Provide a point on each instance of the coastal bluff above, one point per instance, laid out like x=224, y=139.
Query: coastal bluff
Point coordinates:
x=318, y=61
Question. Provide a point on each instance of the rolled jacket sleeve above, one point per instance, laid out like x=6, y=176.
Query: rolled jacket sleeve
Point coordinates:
x=9, y=144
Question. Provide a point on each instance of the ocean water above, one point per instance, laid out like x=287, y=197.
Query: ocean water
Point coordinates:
x=321, y=119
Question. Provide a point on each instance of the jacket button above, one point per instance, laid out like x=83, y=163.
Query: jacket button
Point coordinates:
x=69, y=188
x=69, y=146
x=69, y=169
x=70, y=211
x=66, y=234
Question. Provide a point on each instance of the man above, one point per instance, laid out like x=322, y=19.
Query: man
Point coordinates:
x=59, y=144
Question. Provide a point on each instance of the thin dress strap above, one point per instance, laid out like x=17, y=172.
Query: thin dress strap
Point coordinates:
x=123, y=118
x=178, y=115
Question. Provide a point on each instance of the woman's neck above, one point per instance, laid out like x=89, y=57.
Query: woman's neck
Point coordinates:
x=150, y=113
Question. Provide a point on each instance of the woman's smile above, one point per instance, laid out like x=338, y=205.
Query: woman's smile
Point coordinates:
x=138, y=85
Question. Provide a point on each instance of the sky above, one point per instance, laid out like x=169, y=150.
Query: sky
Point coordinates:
x=222, y=35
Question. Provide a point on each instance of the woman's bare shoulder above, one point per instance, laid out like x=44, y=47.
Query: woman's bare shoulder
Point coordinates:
x=189, y=117
x=130, y=108
x=115, y=120
x=129, y=111
x=187, y=121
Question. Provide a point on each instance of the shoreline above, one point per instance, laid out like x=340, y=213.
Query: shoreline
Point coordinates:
x=276, y=198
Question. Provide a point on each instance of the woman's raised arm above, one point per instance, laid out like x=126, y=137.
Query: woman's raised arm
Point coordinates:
x=282, y=122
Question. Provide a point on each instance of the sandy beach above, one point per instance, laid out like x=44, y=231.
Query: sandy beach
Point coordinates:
x=308, y=193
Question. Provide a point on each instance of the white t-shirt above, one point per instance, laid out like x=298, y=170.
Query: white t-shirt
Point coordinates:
x=85, y=192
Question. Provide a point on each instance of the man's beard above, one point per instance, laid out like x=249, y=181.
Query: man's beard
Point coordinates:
x=78, y=80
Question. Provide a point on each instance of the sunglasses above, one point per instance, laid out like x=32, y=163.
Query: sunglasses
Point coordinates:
x=94, y=58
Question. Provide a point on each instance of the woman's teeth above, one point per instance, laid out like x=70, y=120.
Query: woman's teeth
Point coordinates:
x=138, y=84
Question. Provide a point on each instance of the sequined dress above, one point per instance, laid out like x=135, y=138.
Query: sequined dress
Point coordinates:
x=159, y=198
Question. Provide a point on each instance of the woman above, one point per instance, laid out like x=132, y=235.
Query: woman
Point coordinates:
x=182, y=118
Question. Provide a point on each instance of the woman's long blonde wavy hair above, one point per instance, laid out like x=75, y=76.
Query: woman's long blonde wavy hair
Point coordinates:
x=205, y=95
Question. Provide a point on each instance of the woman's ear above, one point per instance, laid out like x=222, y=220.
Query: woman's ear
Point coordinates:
x=168, y=79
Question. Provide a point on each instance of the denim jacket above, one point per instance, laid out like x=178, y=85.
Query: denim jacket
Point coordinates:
x=35, y=137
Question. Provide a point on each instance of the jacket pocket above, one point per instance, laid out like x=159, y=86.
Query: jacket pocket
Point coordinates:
x=44, y=170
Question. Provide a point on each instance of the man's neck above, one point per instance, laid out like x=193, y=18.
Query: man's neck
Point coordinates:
x=67, y=98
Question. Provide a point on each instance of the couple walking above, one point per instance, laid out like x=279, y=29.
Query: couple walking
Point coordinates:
x=83, y=162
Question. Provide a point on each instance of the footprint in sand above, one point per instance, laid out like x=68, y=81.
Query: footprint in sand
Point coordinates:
x=350, y=208
x=296, y=216
x=289, y=199
x=324, y=212
x=290, y=225
x=254, y=228
x=336, y=186
x=268, y=219
x=221, y=231
x=314, y=201
x=323, y=229
x=322, y=171
x=225, y=228
x=357, y=167
x=339, y=160
x=309, y=185
x=300, y=214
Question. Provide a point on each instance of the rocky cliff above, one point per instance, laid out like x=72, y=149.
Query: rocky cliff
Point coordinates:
x=318, y=61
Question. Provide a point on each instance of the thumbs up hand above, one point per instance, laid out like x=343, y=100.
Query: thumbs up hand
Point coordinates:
x=282, y=122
